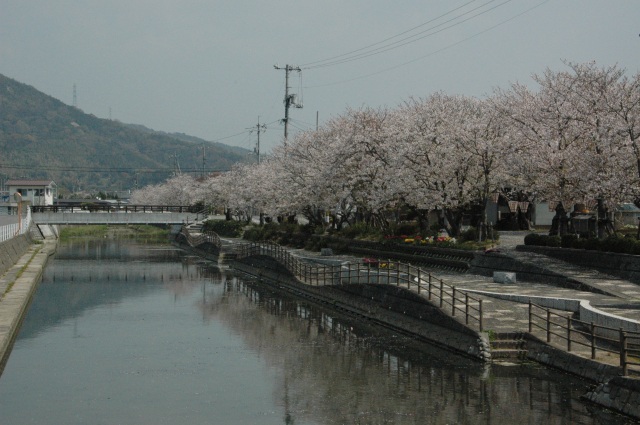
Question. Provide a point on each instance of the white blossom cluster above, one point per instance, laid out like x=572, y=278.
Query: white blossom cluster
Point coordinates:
x=573, y=139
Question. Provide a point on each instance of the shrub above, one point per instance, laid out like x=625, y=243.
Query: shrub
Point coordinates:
x=580, y=243
x=567, y=241
x=533, y=239
x=553, y=241
x=227, y=228
x=470, y=234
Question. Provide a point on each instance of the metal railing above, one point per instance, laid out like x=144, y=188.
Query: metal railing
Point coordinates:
x=200, y=238
x=573, y=331
x=9, y=231
x=123, y=208
x=454, y=302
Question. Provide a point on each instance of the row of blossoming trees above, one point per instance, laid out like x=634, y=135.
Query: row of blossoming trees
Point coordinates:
x=575, y=138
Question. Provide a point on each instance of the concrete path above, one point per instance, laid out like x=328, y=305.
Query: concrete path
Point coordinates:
x=17, y=286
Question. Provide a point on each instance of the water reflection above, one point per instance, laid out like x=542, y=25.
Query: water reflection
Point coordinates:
x=336, y=371
x=125, y=333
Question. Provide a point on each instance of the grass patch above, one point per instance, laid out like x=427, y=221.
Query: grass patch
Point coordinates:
x=146, y=232
x=70, y=232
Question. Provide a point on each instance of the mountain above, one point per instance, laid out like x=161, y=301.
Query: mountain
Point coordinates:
x=42, y=138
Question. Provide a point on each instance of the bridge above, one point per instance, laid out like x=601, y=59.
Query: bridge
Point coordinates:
x=114, y=214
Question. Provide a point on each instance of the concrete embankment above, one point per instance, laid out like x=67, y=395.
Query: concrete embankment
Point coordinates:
x=18, y=283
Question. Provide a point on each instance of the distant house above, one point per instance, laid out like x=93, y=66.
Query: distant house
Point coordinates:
x=35, y=192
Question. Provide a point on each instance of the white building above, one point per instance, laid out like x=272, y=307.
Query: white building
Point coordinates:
x=34, y=192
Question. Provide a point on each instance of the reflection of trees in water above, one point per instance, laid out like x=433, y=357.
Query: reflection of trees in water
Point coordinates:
x=336, y=372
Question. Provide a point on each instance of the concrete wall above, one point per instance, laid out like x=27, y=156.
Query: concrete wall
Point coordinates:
x=12, y=250
x=622, y=265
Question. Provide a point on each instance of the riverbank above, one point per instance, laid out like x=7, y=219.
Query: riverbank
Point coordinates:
x=17, y=286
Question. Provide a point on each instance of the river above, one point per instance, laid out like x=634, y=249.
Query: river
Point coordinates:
x=126, y=333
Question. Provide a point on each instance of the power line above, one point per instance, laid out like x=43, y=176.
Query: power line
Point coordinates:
x=431, y=53
x=414, y=38
x=310, y=64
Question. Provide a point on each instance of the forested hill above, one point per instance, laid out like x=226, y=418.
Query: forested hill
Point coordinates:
x=42, y=138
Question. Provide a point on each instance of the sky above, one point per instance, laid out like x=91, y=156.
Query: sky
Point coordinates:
x=206, y=67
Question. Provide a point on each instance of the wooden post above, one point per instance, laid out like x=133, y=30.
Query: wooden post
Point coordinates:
x=530, y=317
x=429, y=287
x=569, y=333
x=480, y=314
x=548, y=325
x=441, y=292
x=466, y=308
x=623, y=353
x=419, y=281
x=593, y=341
x=453, y=301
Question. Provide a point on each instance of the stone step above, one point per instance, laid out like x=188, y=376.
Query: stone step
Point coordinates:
x=504, y=354
x=508, y=345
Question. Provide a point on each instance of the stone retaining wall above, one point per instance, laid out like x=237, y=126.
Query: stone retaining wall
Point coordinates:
x=12, y=250
x=620, y=393
x=386, y=305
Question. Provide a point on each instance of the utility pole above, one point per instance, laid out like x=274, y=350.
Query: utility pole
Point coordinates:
x=259, y=129
x=289, y=99
x=203, y=159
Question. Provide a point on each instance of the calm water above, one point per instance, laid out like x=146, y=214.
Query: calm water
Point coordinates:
x=120, y=333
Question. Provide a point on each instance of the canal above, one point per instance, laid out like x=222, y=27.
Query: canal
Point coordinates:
x=127, y=333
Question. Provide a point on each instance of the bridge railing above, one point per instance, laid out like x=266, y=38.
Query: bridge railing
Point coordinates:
x=120, y=208
x=9, y=231
x=454, y=302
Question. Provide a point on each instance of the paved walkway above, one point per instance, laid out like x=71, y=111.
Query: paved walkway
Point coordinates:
x=17, y=286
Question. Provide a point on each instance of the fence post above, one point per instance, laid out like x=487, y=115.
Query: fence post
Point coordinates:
x=466, y=308
x=548, y=325
x=530, y=317
x=368, y=272
x=429, y=287
x=593, y=341
x=569, y=333
x=419, y=281
x=453, y=301
x=441, y=292
x=480, y=309
x=623, y=353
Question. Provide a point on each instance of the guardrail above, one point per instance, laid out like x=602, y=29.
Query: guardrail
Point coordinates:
x=448, y=298
x=574, y=331
x=9, y=231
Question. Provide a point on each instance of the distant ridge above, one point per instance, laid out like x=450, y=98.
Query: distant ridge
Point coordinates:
x=42, y=138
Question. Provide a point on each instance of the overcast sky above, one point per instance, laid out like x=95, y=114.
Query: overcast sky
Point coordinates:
x=206, y=68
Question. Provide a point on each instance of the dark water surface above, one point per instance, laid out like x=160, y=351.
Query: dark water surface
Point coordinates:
x=123, y=333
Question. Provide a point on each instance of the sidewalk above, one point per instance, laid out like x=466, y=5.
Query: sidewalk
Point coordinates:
x=17, y=286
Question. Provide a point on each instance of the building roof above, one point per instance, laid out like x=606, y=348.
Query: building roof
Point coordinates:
x=27, y=183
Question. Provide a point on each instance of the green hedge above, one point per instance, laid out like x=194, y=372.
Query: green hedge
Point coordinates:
x=621, y=245
x=225, y=228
